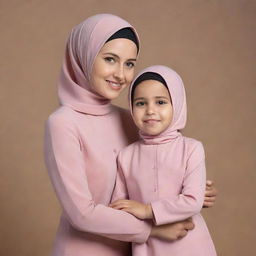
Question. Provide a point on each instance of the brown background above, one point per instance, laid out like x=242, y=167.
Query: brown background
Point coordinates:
x=210, y=43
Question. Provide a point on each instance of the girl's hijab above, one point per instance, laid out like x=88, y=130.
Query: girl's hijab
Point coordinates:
x=83, y=45
x=177, y=91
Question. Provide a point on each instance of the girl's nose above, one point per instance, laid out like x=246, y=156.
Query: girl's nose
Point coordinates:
x=150, y=109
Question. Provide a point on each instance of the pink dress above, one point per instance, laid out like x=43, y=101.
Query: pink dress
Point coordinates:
x=82, y=140
x=81, y=155
x=167, y=171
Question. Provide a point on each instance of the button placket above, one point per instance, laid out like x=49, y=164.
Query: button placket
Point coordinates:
x=155, y=170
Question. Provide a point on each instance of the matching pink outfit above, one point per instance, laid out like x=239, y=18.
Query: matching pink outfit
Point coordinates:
x=167, y=171
x=82, y=140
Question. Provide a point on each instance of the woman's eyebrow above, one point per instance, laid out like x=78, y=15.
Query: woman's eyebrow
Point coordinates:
x=115, y=55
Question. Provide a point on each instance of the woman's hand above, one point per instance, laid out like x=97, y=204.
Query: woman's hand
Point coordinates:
x=173, y=231
x=210, y=194
x=139, y=210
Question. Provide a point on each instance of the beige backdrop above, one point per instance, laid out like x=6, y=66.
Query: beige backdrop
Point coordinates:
x=210, y=43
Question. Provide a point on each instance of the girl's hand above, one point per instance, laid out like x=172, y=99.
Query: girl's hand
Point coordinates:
x=139, y=210
x=210, y=194
x=173, y=231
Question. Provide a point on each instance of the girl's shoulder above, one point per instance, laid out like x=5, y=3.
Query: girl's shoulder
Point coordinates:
x=127, y=153
x=195, y=154
x=193, y=147
x=192, y=142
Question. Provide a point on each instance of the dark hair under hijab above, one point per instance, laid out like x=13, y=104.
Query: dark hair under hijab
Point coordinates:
x=127, y=33
x=147, y=76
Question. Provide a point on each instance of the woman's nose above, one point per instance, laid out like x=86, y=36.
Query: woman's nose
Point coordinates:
x=119, y=73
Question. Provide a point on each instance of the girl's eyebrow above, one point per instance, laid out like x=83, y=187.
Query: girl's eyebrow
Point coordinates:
x=140, y=98
x=116, y=56
x=157, y=97
x=161, y=97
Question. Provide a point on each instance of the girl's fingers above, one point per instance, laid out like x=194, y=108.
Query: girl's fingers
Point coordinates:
x=117, y=202
x=117, y=207
x=126, y=210
x=120, y=205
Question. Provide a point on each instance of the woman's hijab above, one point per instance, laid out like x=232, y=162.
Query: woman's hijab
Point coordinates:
x=84, y=43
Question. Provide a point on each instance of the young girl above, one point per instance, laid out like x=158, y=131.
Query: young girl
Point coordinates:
x=163, y=174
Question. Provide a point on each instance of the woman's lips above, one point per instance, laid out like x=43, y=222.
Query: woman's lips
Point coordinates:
x=114, y=85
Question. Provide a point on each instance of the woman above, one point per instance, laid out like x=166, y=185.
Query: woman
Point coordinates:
x=84, y=136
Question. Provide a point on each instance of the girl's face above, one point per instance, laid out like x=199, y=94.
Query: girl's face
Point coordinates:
x=152, y=107
x=114, y=67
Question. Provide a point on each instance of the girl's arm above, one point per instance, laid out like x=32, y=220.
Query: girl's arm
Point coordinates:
x=66, y=166
x=169, y=232
x=176, y=208
x=190, y=201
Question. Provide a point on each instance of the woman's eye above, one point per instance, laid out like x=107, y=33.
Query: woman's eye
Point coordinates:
x=109, y=59
x=130, y=64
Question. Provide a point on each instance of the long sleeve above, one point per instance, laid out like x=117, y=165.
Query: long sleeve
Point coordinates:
x=190, y=201
x=120, y=190
x=66, y=166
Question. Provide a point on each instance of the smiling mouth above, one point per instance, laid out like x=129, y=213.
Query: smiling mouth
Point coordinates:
x=151, y=121
x=114, y=85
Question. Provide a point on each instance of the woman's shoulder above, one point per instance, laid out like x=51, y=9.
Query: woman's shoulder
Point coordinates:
x=120, y=110
x=128, y=126
x=62, y=116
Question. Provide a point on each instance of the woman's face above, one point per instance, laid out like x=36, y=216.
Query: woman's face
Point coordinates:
x=152, y=107
x=114, y=67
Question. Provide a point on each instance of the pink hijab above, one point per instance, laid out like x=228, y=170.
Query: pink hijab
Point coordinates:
x=178, y=96
x=83, y=45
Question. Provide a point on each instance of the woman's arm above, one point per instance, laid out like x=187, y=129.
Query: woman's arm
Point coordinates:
x=210, y=194
x=173, y=231
x=120, y=189
x=66, y=166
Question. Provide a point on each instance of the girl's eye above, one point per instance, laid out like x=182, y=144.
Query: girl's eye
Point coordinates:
x=130, y=64
x=109, y=59
x=139, y=103
x=161, y=102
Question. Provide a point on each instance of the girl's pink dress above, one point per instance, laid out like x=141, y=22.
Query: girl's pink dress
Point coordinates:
x=82, y=140
x=167, y=171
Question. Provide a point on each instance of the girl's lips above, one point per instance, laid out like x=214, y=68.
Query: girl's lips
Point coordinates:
x=114, y=85
x=151, y=121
